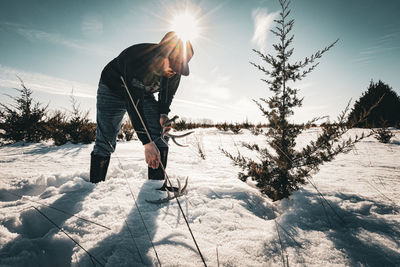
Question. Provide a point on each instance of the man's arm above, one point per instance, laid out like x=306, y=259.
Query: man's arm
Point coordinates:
x=168, y=90
x=134, y=96
x=131, y=68
x=135, y=111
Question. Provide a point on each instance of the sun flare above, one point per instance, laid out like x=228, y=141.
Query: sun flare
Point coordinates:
x=186, y=26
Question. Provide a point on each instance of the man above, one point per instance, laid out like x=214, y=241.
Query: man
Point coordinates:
x=146, y=69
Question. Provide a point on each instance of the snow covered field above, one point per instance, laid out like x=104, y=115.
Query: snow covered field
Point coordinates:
x=225, y=214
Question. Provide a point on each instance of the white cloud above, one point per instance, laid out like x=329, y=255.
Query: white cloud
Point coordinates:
x=219, y=92
x=202, y=105
x=304, y=85
x=92, y=26
x=388, y=43
x=44, y=83
x=234, y=111
x=214, y=89
x=263, y=22
x=35, y=35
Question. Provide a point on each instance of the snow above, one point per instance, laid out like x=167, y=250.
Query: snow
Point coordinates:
x=225, y=214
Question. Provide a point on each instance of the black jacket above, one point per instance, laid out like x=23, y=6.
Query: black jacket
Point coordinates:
x=133, y=63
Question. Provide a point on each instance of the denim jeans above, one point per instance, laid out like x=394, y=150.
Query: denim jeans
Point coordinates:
x=111, y=108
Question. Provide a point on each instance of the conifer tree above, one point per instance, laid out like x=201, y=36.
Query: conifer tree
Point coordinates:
x=281, y=168
x=25, y=120
x=57, y=127
x=387, y=111
x=383, y=134
x=79, y=128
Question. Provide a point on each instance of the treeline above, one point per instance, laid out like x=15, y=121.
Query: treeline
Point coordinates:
x=29, y=121
x=26, y=120
x=387, y=111
x=184, y=124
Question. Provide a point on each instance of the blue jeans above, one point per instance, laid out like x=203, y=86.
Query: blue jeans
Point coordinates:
x=111, y=108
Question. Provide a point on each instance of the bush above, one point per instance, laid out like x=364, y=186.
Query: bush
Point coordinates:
x=383, y=134
x=222, y=126
x=181, y=125
x=28, y=121
x=198, y=144
x=256, y=130
x=75, y=128
x=79, y=129
x=184, y=124
x=246, y=124
x=25, y=120
x=56, y=128
x=388, y=109
x=126, y=132
x=235, y=128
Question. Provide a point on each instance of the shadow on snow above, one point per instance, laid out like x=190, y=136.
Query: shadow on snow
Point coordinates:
x=36, y=245
x=119, y=249
x=366, y=238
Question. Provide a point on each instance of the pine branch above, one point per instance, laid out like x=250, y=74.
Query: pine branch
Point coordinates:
x=238, y=160
x=263, y=110
x=313, y=120
x=304, y=74
x=313, y=57
x=267, y=81
x=286, y=15
x=260, y=68
x=267, y=58
x=252, y=147
x=289, y=41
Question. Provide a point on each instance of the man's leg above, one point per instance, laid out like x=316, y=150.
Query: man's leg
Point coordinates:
x=110, y=112
x=152, y=114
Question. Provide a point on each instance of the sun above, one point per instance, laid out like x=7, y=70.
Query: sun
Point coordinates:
x=186, y=26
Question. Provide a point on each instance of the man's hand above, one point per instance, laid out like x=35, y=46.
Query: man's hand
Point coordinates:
x=152, y=155
x=169, y=73
x=165, y=123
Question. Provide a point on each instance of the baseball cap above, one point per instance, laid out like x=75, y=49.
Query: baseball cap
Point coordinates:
x=179, y=53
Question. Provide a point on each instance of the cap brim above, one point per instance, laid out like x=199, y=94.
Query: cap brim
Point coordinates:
x=179, y=65
x=179, y=53
x=185, y=70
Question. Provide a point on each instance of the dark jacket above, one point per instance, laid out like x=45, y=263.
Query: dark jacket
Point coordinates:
x=133, y=63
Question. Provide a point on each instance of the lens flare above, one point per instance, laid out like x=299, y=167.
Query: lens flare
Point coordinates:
x=186, y=27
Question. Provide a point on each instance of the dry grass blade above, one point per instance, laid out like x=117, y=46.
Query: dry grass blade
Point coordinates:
x=217, y=257
x=280, y=242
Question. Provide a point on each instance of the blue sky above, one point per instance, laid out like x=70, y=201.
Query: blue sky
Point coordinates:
x=56, y=46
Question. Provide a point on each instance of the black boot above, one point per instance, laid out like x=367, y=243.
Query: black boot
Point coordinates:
x=98, y=168
x=158, y=174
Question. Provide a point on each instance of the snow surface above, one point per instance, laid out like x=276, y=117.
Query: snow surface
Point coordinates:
x=225, y=214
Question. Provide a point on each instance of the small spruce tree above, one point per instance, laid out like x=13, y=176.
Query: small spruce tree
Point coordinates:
x=280, y=168
x=126, y=132
x=383, y=134
x=57, y=127
x=79, y=128
x=25, y=120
